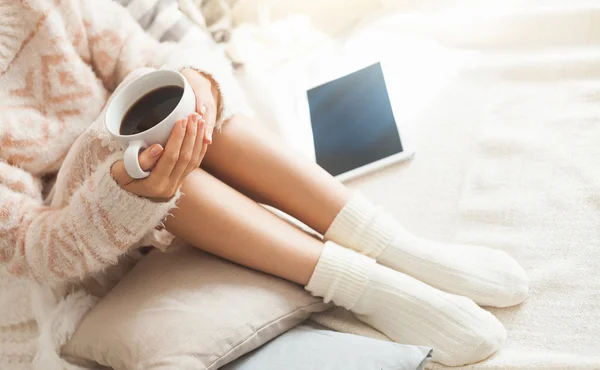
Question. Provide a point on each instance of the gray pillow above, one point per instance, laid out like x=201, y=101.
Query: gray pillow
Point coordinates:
x=310, y=346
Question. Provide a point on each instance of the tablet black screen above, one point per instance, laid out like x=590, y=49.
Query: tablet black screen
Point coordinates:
x=352, y=121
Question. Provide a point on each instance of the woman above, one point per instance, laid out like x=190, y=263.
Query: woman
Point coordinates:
x=59, y=63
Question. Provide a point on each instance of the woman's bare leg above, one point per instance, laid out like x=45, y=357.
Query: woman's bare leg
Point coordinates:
x=216, y=218
x=256, y=162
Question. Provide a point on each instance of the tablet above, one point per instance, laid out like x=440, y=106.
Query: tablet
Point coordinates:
x=355, y=130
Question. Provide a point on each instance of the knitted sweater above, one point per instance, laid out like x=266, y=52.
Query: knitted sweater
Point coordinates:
x=60, y=61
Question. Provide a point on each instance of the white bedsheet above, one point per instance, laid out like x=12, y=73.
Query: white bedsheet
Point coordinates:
x=508, y=129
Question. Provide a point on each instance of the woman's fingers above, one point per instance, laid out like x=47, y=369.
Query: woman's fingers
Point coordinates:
x=208, y=123
x=198, y=144
x=170, y=155
x=120, y=174
x=150, y=156
x=147, y=158
x=207, y=99
x=209, y=115
x=187, y=148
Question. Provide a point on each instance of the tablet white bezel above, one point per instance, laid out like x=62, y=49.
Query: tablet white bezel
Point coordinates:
x=303, y=139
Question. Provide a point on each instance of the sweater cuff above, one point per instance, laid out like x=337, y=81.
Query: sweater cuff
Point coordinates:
x=219, y=70
x=136, y=215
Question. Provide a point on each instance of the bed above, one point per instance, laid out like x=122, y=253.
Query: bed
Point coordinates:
x=504, y=99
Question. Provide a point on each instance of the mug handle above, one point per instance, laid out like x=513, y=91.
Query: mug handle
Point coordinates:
x=132, y=164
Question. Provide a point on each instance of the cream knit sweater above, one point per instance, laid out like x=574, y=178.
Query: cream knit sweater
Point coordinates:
x=60, y=60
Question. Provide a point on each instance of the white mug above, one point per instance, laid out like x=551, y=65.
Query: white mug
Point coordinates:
x=159, y=133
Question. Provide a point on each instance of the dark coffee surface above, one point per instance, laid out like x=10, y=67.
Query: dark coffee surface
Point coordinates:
x=150, y=109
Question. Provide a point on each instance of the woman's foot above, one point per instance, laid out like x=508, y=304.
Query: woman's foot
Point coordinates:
x=489, y=277
x=405, y=309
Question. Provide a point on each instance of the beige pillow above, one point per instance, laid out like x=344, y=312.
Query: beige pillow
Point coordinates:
x=188, y=310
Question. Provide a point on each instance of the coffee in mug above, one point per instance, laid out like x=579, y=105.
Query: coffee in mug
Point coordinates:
x=150, y=109
x=143, y=113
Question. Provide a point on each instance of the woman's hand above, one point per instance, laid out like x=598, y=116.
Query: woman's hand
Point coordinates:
x=169, y=167
x=207, y=99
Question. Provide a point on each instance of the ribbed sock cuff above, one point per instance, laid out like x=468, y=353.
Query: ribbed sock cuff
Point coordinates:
x=340, y=276
x=361, y=226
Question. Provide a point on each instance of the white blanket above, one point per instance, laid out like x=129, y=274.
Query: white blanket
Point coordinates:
x=508, y=156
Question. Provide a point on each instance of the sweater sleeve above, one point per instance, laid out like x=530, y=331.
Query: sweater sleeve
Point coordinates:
x=101, y=222
x=118, y=45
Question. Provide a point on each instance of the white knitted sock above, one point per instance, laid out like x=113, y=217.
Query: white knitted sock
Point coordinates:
x=490, y=277
x=405, y=309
